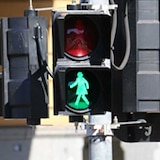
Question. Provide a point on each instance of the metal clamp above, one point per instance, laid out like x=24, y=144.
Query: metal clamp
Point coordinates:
x=107, y=129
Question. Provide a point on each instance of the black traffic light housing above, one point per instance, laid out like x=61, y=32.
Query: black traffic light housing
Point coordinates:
x=97, y=28
x=99, y=93
x=24, y=77
x=81, y=42
x=136, y=88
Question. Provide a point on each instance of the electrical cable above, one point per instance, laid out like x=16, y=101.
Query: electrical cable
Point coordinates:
x=42, y=61
x=128, y=40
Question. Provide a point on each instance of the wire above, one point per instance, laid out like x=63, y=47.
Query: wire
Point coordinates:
x=39, y=47
x=128, y=40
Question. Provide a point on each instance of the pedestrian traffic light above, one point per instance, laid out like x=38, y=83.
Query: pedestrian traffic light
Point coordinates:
x=83, y=89
x=24, y=76
x=135, y=89
x=81, y=43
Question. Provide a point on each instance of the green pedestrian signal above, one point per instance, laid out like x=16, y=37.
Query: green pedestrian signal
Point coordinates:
x=81, y=92
x=87, y=89
x=81, y=89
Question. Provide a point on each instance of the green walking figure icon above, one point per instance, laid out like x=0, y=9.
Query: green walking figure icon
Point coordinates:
x=82, y=89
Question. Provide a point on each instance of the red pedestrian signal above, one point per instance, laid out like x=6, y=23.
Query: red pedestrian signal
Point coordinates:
x=81, y=37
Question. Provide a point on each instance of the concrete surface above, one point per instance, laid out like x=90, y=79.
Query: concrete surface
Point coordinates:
x=62, y=143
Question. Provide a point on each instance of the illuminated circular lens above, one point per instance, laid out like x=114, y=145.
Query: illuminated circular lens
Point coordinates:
x=82, y=89
x=81, y=36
